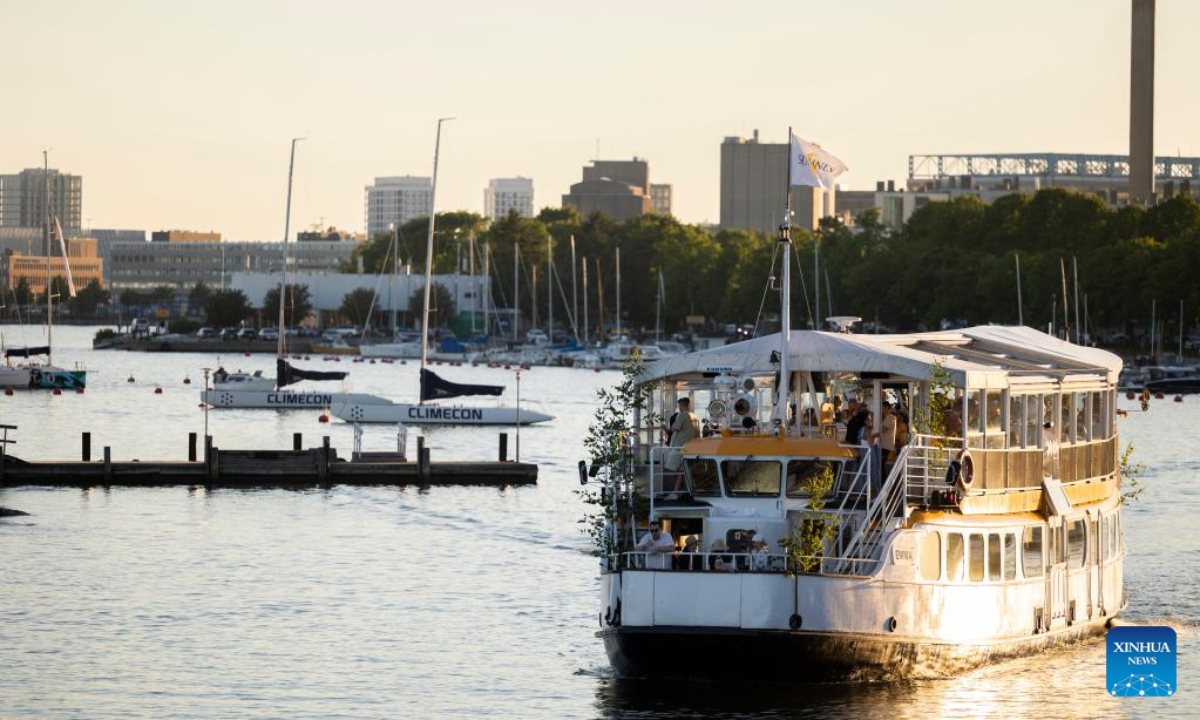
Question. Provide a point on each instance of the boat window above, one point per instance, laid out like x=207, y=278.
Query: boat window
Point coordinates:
x=751, y=478
x=974, y=411
x=993, y=562
x=931, y=556
x=995, y=412
x=1065, y=433
x=1075, y=542
x=1016, y=421
x=1010, y=556
x=975, y=557
x=1081, y=417
x=954, y=557
x=1031, y=551
x=702, y=474
x=800, y=471
x=1099, y=401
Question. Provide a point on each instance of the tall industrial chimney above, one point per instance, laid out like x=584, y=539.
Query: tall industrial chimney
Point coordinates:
x=1141, y=103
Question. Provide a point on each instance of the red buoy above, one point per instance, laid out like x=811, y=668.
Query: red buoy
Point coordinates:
x=187, y=381
x=1178, y=398
x=57, y=391
x=596, y=369
x=324, y=418
x=158, y=391
x=1129, y=395
x=1158, y=396
x=9, y=392
x=247, y=354
x=79, y=390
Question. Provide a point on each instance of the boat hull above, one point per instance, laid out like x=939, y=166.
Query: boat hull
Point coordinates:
x=52, y=378
x=800, y=656
x=436, y=415
x=1175, y=386
x=285, y=399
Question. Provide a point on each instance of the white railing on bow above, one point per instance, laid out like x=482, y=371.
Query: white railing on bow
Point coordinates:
x=866, y=536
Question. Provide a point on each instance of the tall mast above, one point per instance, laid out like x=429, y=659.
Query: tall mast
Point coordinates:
x=487, y=293
x=586, y=328
x=395, y=271
x=550, y=288
x=600, y=300
x=575, y=293
x=618, y=291
x=785, y=301
x=287, y=229
x=437, y=148
x=658, y=307
x=516, y=288
x=49, y=275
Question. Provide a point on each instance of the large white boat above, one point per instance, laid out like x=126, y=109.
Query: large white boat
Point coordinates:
x=255, y=390
x=998, y=538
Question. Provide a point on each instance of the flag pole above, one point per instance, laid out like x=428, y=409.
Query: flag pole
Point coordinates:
x=785, y=316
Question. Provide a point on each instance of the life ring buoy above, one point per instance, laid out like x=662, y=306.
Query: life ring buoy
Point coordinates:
x=966, y=472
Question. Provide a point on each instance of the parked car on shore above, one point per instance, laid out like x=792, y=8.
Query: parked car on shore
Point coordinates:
x=247, y=334
x=207, y=333
x=268, y=334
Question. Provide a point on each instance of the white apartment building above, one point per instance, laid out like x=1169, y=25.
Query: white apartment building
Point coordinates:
x=396, y=200
x=505, y=194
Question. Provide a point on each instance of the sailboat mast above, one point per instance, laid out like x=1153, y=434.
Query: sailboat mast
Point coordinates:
x=287, y=229
x=575, y=293
x=49, y=275
x=395, y=271
x=785, y=301
x=1075, y=281
x=550, y=289
x=487, y=293
x=437, y=148
x=516, y=289
x=586, y=327
x=618, y=291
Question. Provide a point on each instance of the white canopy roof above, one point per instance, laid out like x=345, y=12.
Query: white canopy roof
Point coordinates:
x=978, y=357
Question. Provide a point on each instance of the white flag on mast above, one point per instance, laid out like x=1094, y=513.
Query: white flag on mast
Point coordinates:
x=811, y=165
x=62, y=244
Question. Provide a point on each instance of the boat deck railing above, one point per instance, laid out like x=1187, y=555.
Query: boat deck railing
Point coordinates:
x=731, y=562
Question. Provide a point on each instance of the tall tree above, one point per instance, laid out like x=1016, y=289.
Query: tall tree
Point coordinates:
x=295, y=310
x=356, y=306
x=226, y=308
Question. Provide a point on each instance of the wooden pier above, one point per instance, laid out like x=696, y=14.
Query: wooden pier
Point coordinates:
x=296, y=468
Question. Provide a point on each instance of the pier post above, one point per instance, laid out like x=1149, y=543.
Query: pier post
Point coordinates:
x=323, y=469
x=420, y=447
x=209, y=464
x=297, y=442
x=87, y=447
x=423, y=465
x=107, y=464
x=503, y=457
x=191, y=447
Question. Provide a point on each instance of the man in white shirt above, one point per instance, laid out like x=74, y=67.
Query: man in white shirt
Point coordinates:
x=759, y=557
x=659, y=546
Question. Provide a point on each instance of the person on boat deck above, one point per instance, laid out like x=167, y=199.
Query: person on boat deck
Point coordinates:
x=688, y=558
x=683, y=430
x=887, y=433
x=759, y=557
x=1050, y=443
x=721, y=563
x=659, y=547
x=859, y=431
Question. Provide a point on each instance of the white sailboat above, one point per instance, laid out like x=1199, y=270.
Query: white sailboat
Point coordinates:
x=432, y=386
x=254, y=390
x=37, y=375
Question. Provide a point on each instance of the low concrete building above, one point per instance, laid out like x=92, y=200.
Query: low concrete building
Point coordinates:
x=327, y=290
x=619, y=189
x=84, y=256
x=192, y=236
x=183, y=264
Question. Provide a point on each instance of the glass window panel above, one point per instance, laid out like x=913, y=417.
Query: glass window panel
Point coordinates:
x=751, y=478
x=1010, y=556
x=1076, y=534
x=1082, y=426
x=1064, y=420
x=975, y=557
x=1031, y=550
x=702, y=475
x=974, y=411
x=994, y=419
x=954, y=557
x=993, y=562
x=931, y=556
x=799, y=472
x=1099, y=401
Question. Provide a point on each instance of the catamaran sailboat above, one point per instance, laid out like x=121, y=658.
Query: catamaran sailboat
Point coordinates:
x=434, y=387
x=994, y=532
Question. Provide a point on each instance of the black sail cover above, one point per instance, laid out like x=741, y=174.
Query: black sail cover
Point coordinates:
x=435, y=388
x=27, y=351
x=286, y=374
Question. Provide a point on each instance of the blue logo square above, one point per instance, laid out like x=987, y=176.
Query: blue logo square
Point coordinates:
x=1141, y=661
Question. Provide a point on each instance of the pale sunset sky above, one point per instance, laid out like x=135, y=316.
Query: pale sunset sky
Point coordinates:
x=179, y=114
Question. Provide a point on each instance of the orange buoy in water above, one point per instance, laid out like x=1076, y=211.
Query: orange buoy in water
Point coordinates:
x=1129, y=395
x=1158, y=396
x=324, y=418
x=526, y=366
x=57, y=391
x=596, y=369
x=372, y=361
x=9, y=392
x=508, y=367
x=158, y=391
x=247, y=354
x=1178, y=398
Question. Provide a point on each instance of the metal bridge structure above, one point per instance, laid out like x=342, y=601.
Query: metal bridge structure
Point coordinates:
x=1064, y=165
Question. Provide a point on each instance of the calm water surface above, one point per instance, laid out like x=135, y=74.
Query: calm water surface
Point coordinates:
x=387, y=602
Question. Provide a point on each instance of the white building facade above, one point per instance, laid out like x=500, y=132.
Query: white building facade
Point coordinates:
x=505, y=194
x=396, y=200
